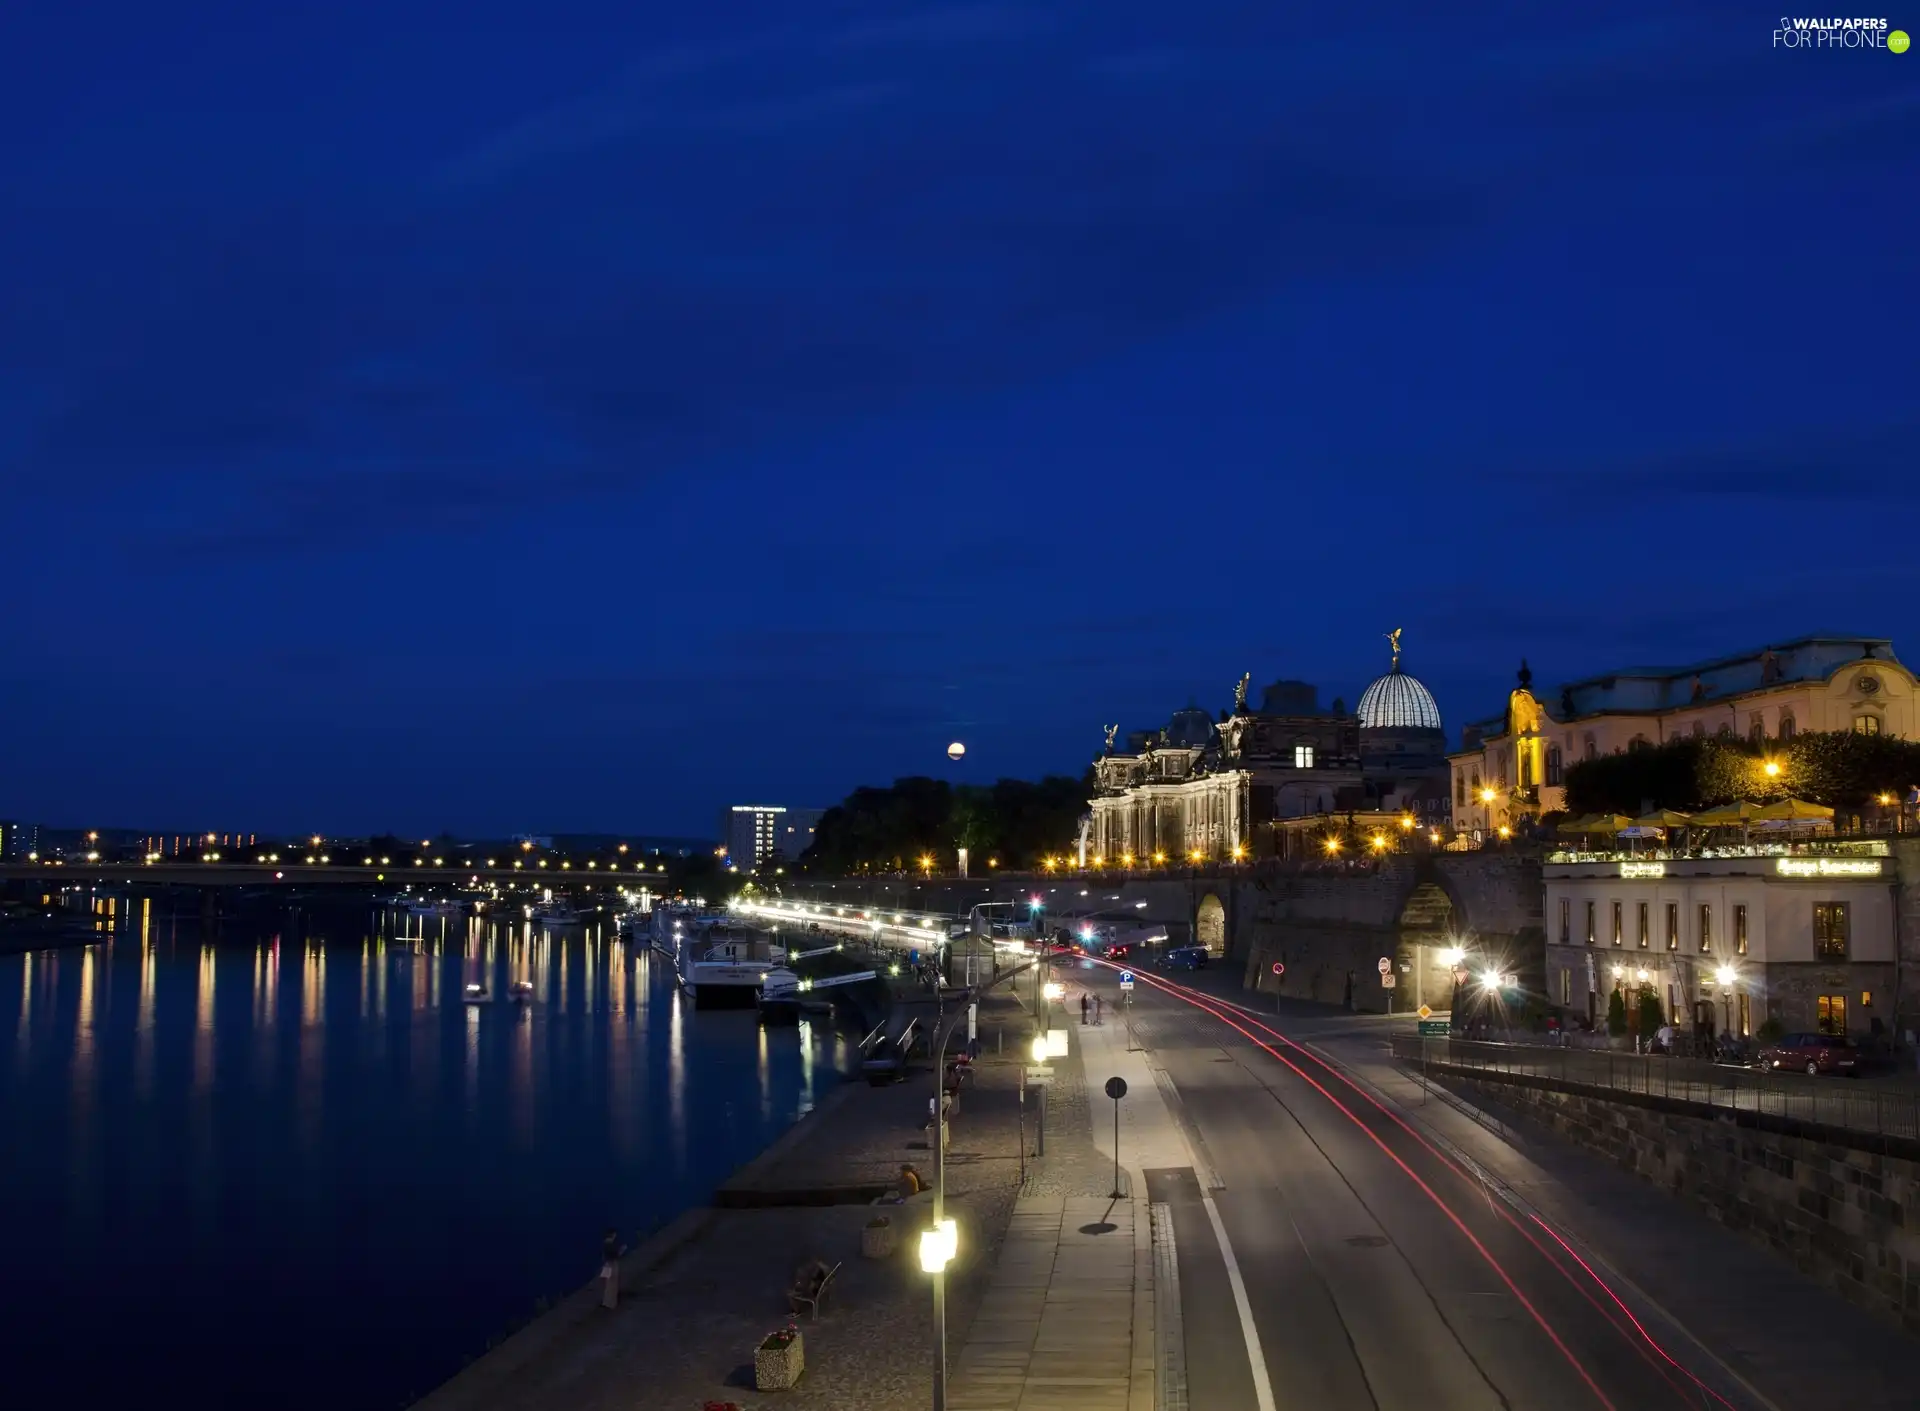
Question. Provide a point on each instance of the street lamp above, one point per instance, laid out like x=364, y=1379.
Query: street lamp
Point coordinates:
x=1726, y=975
x=1772, y=768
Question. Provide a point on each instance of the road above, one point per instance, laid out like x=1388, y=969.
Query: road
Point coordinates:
x=1374, y=1271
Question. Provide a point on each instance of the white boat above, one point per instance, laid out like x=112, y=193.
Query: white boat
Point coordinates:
x=423, y=907
x=556, y=912
x=476, y=994
x=721, y=966
x=521, y=992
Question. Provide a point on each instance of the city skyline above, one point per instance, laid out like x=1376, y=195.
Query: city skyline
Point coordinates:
x=565, y=424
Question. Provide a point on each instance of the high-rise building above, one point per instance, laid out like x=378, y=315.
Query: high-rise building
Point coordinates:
x=752, y=832
x=18, y=841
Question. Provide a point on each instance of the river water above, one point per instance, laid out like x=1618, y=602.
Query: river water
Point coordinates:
x=282, y=1163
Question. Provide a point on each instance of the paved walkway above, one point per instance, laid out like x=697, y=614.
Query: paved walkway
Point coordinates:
x=1066, y=1323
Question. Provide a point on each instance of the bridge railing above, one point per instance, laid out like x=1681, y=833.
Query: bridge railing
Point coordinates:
x=1888, y=1107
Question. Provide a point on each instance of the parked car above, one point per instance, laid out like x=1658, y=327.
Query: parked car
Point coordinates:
x=1813, y=1054
x=1186, y=958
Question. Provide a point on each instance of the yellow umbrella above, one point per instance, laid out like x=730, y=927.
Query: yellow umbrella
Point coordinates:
x=1793, y=811
x=1574, y=826
x=1664, y=818
x=1728, y=815
x=1606, y=823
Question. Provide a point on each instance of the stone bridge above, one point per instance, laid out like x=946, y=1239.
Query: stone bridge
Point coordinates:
x=1319, y=924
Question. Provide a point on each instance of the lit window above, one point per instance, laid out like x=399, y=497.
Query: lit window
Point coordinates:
x=1619, y=921
x=1740, y=928
x=1589, y=923
x=1706, y=927
x=1303, y=756
x=1830, y=930
x=1673, y=925
x=1566, y=922
x=1786, y=725
x=1866, y=725
x=1644, y=929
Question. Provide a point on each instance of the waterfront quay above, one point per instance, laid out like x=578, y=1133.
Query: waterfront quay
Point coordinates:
x=1039, y=1312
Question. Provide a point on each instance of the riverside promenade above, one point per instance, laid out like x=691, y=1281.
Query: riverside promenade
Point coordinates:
x=1045, y=1311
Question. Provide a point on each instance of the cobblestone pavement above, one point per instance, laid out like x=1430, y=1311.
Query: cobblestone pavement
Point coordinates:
x=684, y=1332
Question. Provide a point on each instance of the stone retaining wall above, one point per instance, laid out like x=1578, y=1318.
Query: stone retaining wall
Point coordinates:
x=1846, y=1216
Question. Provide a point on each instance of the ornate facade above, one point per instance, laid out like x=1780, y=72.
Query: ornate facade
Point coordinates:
x=1218, y=789
x=1514, y=765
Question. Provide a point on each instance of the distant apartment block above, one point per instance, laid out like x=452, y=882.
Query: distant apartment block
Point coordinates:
x=750, y=833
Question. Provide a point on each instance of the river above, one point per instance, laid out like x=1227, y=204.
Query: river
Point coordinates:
x=282, y=1163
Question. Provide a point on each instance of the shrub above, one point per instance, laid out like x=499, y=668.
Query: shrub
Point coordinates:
x=1617, y=1014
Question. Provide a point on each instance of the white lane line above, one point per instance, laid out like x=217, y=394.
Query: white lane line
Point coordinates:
x=1256, y=1360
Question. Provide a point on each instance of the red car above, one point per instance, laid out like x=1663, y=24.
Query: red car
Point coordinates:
x=1813, y=1054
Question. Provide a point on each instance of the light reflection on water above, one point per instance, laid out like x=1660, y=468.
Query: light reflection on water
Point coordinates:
x=235, y=1153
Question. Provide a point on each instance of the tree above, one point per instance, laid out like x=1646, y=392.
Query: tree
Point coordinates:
x=1648, y=1010
x=1617, y=1014
x=1833, y=767
x=890, y=829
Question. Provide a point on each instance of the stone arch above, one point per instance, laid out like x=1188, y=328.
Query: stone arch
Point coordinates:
x=1210, y=925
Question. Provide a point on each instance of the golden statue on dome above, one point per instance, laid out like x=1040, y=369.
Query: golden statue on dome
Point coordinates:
x=1393, y=638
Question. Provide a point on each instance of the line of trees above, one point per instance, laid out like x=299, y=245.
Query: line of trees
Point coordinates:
x=1011, y=824
x=1833, y=767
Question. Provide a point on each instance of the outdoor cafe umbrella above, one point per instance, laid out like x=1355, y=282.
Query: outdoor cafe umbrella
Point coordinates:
x=1664, y=818
x=1575, y=826
x=1729, y=815
x=1794, y=811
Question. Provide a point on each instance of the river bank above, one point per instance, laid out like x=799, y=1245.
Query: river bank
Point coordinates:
x=699, y=1296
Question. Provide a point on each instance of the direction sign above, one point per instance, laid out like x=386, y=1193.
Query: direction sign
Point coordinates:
x=1126, y=985
x=1386, y=965
x=1435, y=1028
x=1425, y=1011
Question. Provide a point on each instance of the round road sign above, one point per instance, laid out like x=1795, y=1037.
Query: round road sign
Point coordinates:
x=1279, y=968
x=1385, y=965
x=1116, y=1088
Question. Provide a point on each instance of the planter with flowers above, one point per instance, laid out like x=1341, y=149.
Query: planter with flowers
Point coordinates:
x=779, y=1360
x=876, y=1240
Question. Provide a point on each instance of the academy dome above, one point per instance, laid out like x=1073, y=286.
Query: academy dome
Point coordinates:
x=1398, y=701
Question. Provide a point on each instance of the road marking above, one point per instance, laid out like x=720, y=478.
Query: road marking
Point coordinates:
x=1256, y=1360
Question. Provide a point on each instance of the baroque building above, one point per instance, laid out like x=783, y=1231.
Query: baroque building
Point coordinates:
x=1513, y=766
x=1201, y=789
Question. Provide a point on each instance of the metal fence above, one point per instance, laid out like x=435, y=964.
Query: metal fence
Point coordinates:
x=1877, y=1107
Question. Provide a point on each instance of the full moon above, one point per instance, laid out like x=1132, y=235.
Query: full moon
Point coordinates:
x=955, y=750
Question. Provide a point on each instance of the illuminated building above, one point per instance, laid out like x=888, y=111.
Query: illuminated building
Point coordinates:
x=1253, y=779
x=1729, y=941
x=1513, y=766
x=751, y=833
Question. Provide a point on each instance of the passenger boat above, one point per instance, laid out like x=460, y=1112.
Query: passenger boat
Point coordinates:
x=779, y=997
x=555, y=912
x=476, y=993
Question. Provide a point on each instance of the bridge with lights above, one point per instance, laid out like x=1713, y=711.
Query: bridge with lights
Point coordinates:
x=281, y=870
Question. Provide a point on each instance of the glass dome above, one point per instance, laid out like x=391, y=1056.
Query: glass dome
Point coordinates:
x=1398, y=701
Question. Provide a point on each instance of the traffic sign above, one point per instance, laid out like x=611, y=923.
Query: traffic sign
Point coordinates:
x=1039, y=1074
x=1126, y=977
x=1126, y=985
x=1386, y=981
x=1279, y=968
x=1116, y=1088
x=1425, y=1011
x=1435, y=1028
x=1386, y=965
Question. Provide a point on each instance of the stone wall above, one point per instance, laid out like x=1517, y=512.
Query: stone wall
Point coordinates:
x=1846, y=1216
x=1906, y=853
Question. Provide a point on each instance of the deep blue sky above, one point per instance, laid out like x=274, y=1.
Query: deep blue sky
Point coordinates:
x=582, y=415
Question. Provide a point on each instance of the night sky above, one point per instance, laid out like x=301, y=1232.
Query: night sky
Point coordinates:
x=580, y=416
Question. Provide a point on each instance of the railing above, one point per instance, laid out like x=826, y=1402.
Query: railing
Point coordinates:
x=1884, y=1108
x=1759, y=847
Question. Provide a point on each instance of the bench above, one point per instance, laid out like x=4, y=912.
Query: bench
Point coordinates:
x=811, y=1303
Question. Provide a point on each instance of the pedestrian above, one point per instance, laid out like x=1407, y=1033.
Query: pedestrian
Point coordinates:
x=610, y=1252
x=1084, y=1005
x=1096, y=1009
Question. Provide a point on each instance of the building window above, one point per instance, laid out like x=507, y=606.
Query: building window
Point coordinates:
x=1619, y=921
x=1639, y=742
x=1673, y=925
x=1566, y=922
x=1589, y=923
x=1866, y=999
x=1786, y=725
x=1726, y=731
x=1476, y=785
x=1555, y=768
x=1832, y=1014
x=1459, y=788
x=1303, y=756
x=1866, y=725
x=1566, y=993
x=1756, y=728
x=1589, y=750
x=1706, y=927
x=1525, y=768
x=1830, y=930
x=1746, y=1014
x=1644, y=927
x=1699, y=729
x=1740, y=928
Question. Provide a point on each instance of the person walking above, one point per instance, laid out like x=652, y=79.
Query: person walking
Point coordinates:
x=1096, y=1009
x=610, y=1252
x=1085, y=1003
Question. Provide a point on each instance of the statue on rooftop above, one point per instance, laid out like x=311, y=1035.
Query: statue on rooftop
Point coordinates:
x=1111, y=730
x=1393, y=638
x=1240, y=693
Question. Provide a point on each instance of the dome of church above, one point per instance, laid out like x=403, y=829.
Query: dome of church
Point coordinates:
x=1398, y=701
x=1189, y=729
